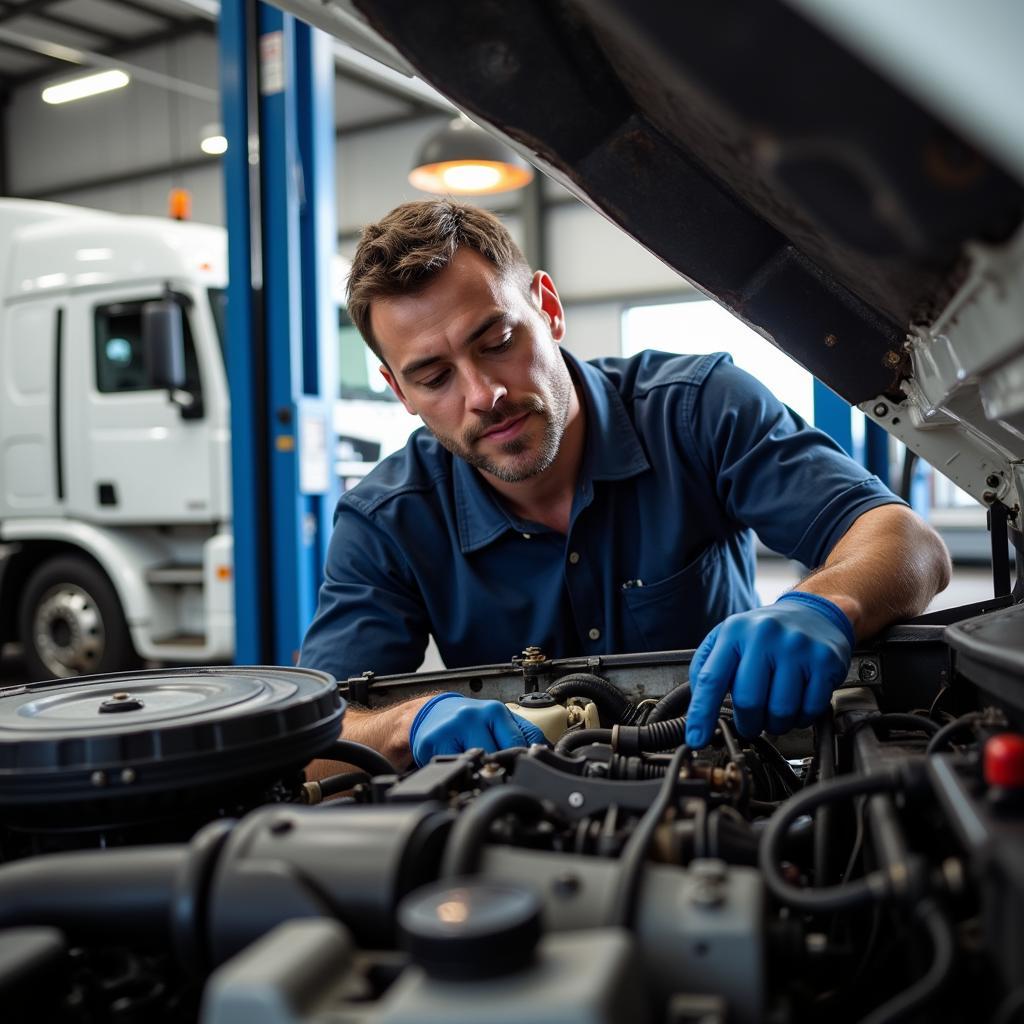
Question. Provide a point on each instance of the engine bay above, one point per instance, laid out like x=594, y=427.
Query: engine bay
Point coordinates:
x=164, y=857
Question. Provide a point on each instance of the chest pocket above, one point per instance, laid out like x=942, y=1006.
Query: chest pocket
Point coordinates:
x=677, y=612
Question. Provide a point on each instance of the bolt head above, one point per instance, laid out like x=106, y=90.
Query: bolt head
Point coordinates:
x=98, y=778
x=868, y=672
x=128, y=776
x=881, y=409
x=576, y=799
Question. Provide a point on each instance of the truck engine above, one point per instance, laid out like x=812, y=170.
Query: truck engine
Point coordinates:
x=164, y=858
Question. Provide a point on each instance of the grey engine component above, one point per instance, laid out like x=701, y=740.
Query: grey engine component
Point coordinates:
x=835, y=874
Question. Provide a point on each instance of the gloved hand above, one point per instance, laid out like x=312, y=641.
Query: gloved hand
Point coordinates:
x=450, y=723
x=782, y=663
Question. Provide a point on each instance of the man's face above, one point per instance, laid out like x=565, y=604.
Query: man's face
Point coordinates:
x=476, y=357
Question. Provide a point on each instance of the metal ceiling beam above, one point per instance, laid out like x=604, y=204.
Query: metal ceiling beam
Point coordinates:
x=108, y=57
x=11, y=11
x=196, y=163
x=413, y=103
x=63, y=21
x=180, y=30
x=151, y=12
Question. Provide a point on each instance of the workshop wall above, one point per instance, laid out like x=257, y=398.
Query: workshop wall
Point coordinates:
x=124, y=151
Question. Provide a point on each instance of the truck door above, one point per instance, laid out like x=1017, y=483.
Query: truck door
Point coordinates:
x=29, y=455
x=140, y=458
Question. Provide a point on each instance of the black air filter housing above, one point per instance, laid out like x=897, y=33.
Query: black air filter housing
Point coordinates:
x=152, y=756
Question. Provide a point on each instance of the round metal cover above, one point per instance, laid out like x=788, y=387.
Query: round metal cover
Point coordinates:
x=141, y=732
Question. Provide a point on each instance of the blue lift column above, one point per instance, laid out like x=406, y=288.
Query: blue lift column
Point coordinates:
x=833, y=415
x=278, y=91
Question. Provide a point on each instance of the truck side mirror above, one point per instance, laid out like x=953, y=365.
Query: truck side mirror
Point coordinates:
x=163, y=344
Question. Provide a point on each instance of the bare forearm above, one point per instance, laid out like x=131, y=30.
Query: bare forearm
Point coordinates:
x=385, y=729
x=887, y=566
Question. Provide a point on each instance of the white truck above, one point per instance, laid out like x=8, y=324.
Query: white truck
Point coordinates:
x=115, y=484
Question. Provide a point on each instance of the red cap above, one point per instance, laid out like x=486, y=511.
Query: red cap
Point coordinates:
x=1004, y=760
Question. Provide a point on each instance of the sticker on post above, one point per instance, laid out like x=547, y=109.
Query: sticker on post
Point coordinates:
x=272, y=63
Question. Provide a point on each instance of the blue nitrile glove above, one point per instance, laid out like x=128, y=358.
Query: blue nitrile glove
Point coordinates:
x=782, y=663
x=450, y=723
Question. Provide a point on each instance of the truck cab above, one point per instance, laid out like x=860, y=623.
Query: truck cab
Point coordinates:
x=115, y=505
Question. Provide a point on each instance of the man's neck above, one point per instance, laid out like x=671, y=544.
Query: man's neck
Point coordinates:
x=547, y=497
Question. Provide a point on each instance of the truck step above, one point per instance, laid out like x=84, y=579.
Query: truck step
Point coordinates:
x=176, y=575
x=181, y=640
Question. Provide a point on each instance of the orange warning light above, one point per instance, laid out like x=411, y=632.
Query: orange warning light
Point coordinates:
x=223, y=572
x=179, y=204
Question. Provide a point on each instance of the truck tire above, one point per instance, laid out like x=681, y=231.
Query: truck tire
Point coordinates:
x=71, y=622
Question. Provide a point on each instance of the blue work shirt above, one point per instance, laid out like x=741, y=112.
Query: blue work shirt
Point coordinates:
x=685, y=456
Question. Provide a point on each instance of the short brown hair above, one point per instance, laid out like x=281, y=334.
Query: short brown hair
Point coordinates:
x=404, y=251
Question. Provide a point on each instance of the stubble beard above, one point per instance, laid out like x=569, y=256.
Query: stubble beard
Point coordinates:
x=522, y=462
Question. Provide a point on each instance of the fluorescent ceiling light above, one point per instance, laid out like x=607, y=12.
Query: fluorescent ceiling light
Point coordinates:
x=214, y=145
x=89, y=85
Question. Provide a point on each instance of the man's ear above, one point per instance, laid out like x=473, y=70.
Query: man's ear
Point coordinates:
x=545, y=298
x=399, y=394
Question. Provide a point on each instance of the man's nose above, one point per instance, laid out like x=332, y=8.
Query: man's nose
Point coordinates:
x=483, y=392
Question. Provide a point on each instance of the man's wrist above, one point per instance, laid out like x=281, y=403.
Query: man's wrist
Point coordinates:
x=838, y=608
x=849, y=606
x=386, y=729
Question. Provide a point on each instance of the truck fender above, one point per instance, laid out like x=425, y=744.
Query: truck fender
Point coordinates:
x=124, y=557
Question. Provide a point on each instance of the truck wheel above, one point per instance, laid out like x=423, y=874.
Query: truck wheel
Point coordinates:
x=71, y=622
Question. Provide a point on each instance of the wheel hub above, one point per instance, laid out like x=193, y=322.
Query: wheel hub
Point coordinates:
x=68, y=631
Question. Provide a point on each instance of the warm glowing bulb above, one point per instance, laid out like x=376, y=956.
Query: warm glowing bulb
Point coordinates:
x=214, y=145
x=90, y=85
x=470, y=177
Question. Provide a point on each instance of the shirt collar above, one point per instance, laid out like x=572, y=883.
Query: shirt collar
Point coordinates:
x=612, y=452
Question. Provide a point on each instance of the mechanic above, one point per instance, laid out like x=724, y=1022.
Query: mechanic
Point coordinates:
x=587, y=508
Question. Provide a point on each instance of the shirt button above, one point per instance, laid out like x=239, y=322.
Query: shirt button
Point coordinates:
x=574, y=557
x=526, y=536
x=594, y=634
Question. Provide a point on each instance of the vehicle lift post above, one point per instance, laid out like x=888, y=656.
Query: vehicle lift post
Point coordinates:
x=277, y=85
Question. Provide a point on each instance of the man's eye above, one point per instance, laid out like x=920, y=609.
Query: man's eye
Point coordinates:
x=502, y=345
x=435, y=382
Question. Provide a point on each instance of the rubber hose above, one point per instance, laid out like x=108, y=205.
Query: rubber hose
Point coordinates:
x=369, y=760
x=469, y=833
x=634, y=768
x=826, y=751
x=643, y=739
x=941, y=738
x=634, y=853
x=675, y=703
x=122, y=895
x=899, y=720
x=941, y=935
x=335, y=784
x=581, y=738
x=612, y=703
x=832, y=897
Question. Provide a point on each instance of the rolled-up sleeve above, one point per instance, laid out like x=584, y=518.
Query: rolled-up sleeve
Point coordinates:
x=790, y=483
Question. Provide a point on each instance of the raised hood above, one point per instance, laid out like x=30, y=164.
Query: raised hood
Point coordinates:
x=845, y=178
